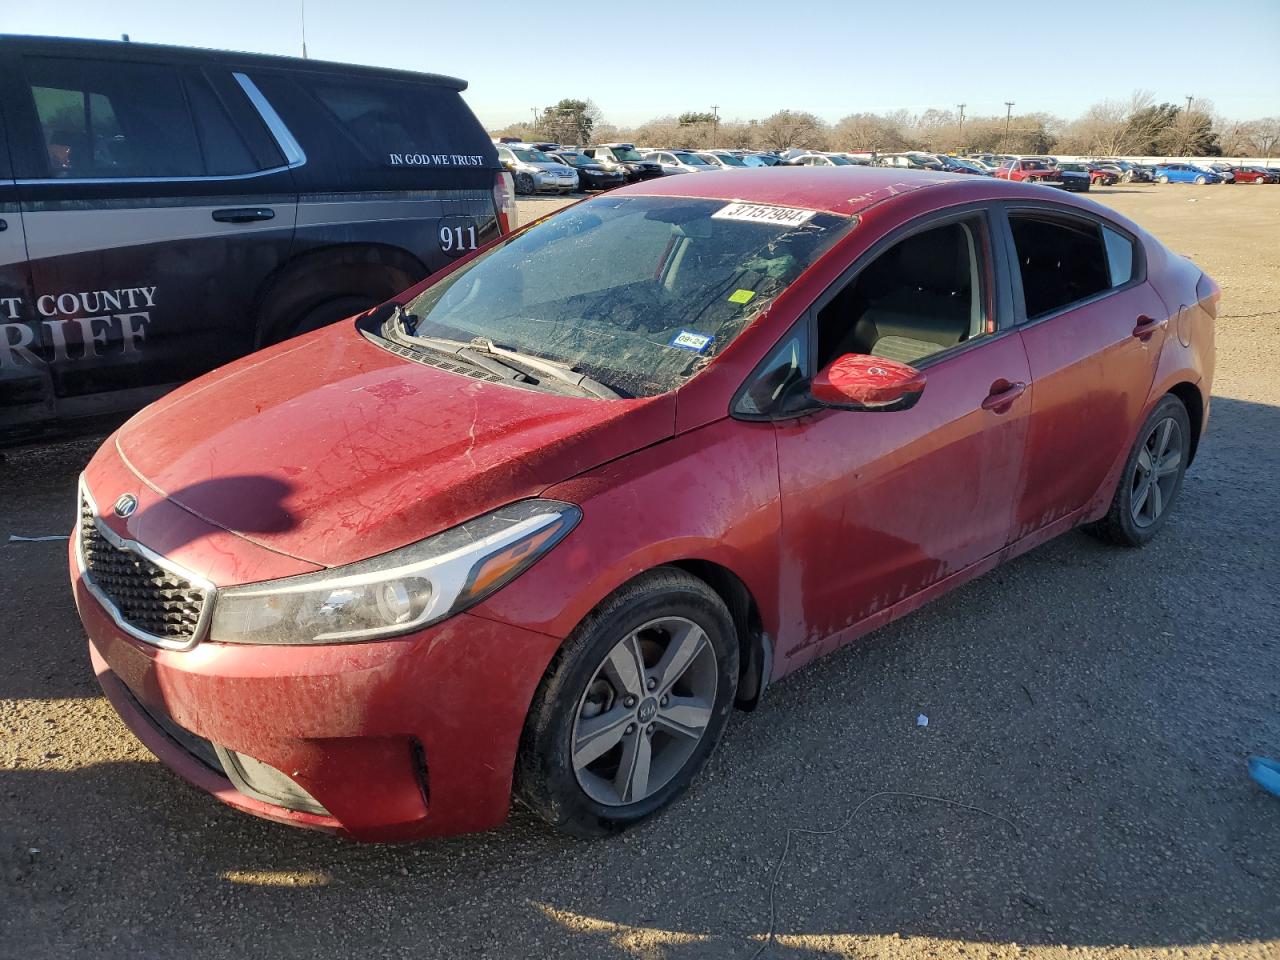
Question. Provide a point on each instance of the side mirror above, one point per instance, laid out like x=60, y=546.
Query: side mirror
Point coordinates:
x=859, y=382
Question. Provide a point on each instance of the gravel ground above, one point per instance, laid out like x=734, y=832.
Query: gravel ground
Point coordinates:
x=1097, y=705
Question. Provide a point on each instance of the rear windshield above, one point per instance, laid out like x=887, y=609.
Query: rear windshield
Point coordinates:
x=638, y=292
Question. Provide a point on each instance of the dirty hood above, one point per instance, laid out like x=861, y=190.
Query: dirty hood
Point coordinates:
x=331, y=449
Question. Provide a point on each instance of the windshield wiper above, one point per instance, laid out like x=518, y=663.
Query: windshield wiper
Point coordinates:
x=559, y=371
x=484, y=353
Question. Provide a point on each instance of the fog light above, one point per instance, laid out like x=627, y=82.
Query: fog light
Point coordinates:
x=261, y=781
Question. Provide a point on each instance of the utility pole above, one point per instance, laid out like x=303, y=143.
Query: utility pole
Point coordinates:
x=1189, y=99
x=534, y=127
x=960, y=145
x=1008, y=112
x=715, y=123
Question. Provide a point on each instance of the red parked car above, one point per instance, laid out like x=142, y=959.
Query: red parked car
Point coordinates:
x=541, y=522
x=1254, y=175
x=1029, y=169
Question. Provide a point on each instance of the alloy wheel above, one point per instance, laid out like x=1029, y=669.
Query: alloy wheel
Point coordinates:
x=644, y=712
x=1155, y=474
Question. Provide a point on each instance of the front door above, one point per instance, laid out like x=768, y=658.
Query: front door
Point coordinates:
x=151, y=222
x=1093, y=333
x=879, y=506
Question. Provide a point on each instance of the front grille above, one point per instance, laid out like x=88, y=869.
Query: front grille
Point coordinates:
x=150, y=599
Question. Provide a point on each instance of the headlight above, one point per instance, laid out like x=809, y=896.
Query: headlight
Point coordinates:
x=397, y=592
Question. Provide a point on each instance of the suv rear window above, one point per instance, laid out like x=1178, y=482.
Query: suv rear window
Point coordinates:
x=395, y=124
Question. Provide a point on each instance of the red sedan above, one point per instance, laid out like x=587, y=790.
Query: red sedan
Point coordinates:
x=1254, y=175
x=540, y=523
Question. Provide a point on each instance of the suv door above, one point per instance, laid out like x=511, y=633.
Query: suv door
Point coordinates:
x=1093, y=328
x=876, y=506
x=26, y=391
x=156, y=203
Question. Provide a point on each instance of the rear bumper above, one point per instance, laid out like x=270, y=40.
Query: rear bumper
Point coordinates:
x=395, y=740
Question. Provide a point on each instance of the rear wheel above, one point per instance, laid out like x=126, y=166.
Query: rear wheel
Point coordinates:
x=1151, y=480
x=631, y=707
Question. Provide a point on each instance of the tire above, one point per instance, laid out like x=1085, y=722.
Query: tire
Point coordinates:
x=1124, y=525
x=525, y=184
x=1201, y=181
x=1162, y=179
x=589, y=794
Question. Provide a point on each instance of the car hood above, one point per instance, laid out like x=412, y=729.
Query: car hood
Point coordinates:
x=330, y=448
x=550, y=167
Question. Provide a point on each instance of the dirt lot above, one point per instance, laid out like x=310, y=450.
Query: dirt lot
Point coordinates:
x=1101, y=701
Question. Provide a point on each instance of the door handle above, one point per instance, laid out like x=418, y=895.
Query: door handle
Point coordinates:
x=1005, y=396
x=243, y=214
x=1146, y=326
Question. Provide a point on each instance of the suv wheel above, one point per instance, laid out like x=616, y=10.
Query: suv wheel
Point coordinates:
x=631, y=707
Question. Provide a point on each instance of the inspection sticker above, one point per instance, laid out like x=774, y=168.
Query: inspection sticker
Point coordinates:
x=763, y=213
x=691, y=340
x=742, y=296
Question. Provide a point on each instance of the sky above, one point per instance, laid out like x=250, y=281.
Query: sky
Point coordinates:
x=749, y=58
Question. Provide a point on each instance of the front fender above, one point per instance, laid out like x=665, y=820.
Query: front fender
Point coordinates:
x=709, y=494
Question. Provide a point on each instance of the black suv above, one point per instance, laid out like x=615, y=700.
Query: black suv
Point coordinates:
x=624, y=158
x=165, y=210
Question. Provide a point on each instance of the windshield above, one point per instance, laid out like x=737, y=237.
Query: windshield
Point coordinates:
x=729, y=160
x=532, y=156
x=626, y=154
x=753, y=162
x=640, y=293
x=840, y=161
x=692, y=159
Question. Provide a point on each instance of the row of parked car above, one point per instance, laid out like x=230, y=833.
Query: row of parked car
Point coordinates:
x=550, y=167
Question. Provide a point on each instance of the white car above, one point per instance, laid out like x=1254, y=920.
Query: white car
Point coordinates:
x=681, y=161
x=820, y=160
x=724, y=160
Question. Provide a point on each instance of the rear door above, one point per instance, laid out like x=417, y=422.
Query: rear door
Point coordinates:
x=26, y=391
x=395, y=162
x=156, y=203
x=1093, y=328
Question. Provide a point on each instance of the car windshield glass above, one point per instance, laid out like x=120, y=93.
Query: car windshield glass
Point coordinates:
x=692, y=159
x=626, y=154
x=640, y=293
x=532, y=156
x=729, y=160
x=840, y=161
x=753, y=162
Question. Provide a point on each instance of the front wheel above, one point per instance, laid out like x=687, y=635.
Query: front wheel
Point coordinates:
x=631, y=707
x=1151, y=480
x=525, y=184
x=1162, y=179
x=1201, y=180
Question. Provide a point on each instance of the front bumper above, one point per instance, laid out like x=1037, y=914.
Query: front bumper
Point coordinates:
x=393, y=740
x=550, y=182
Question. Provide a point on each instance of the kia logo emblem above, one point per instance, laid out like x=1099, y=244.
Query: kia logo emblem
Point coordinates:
x=126, y=505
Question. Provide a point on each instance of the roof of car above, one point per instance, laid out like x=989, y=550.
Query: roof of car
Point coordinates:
x=844, y=190
x=65, y=45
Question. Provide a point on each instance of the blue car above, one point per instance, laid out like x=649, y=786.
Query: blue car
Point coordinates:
x=1184, y=173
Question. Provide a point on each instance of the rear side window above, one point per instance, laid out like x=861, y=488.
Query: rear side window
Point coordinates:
x=108, y=119
x=395, y=124
x=1062, y=261
x=1119, y=256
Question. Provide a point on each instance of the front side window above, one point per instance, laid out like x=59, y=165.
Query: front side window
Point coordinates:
x=920, y=297
x=112, y=119
x=1061, y=260
x=692, y=159
x=638, y=292
x=532, y=156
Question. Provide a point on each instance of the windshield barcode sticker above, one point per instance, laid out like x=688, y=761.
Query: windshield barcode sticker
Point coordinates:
x=691, y=340
x=763, y=213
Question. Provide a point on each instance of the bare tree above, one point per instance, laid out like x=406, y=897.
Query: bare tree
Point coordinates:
x=1264, y=135
x=793, y=128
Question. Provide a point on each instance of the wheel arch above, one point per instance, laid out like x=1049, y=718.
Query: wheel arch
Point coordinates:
x=1189, y=394
x=323, y=273
x=755, y=649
